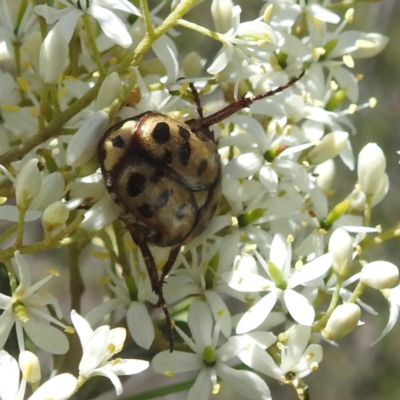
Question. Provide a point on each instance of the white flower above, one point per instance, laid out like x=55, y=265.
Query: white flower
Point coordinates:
x=242, y=41
x=297, y=360
x=60, y=387
x=26, y=309
x=138, y=318
x=284, y=280
x=208, y=360
x=54, y=50
x=99, y=347
x=32, y=191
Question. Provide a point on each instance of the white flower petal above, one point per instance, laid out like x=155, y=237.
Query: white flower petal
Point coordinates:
x=46, y=336
x=220, y=311
x=140, y=324
x=166, y=362
x=243, y=166
x=60, y=387
x=202, y=387
x=299, y=307
x=165, y=50
x=258, y=359
x=123, y=5
x=246, y=383
x=94, y=350
x=112, y=26
x=244, y=281
x=257, y=314
x=82, y=327
x=83, y=144
x=11, y=213
x=111, y=376
x=200, y=323
x=126, y=366
x=9, y=376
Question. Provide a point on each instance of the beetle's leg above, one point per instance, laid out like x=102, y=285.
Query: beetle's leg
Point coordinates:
x=155, y=281
x=173, y=254
x=157, y=287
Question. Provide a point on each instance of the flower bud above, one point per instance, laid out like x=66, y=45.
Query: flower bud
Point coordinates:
x=30, y=367
x=28, y=183
x=110, y=89
x=379, y=275
x=342, y=321
x=221, y=13
x=341, y=247
x=83, y=144
x=192, y=65
x=329, y=147
x=325, y=173
x=55, y=216
x=32, y=48
x=371, y=167
x=53, y=55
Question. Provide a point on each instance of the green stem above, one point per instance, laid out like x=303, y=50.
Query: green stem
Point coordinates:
x=358, y=291
x=18, y=67
x=20, y=228
x=319, y=325
x=58, y=240
x=92, y=43
x=43, y=107
x=200, y=29
x=147, y=18
x=164, y=391
x=76, y=286
x=12, y=229
x=391, y=233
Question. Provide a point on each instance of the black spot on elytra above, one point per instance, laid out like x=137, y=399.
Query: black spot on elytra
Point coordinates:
x=146, y=210
x=136, y=184
x=157, y=176
x=117, y=141
x=202, y=167
x=162, y=200
x=167, y=157
x=184, y=153
x=184, y=133
x=161, y=133
x=181, y=212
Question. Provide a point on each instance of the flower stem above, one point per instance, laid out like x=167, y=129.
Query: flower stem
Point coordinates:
x=92, y=42
x=200, y=29
x=334, y=301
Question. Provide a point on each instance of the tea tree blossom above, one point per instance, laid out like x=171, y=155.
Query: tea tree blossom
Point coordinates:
x=98, y=347
x=26, y=310
x=280, y=263
x=209, y=359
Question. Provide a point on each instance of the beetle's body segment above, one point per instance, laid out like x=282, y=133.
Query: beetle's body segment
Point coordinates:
x=166, y=178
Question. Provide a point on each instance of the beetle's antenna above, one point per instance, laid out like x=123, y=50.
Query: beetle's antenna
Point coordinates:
x=231, y=109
